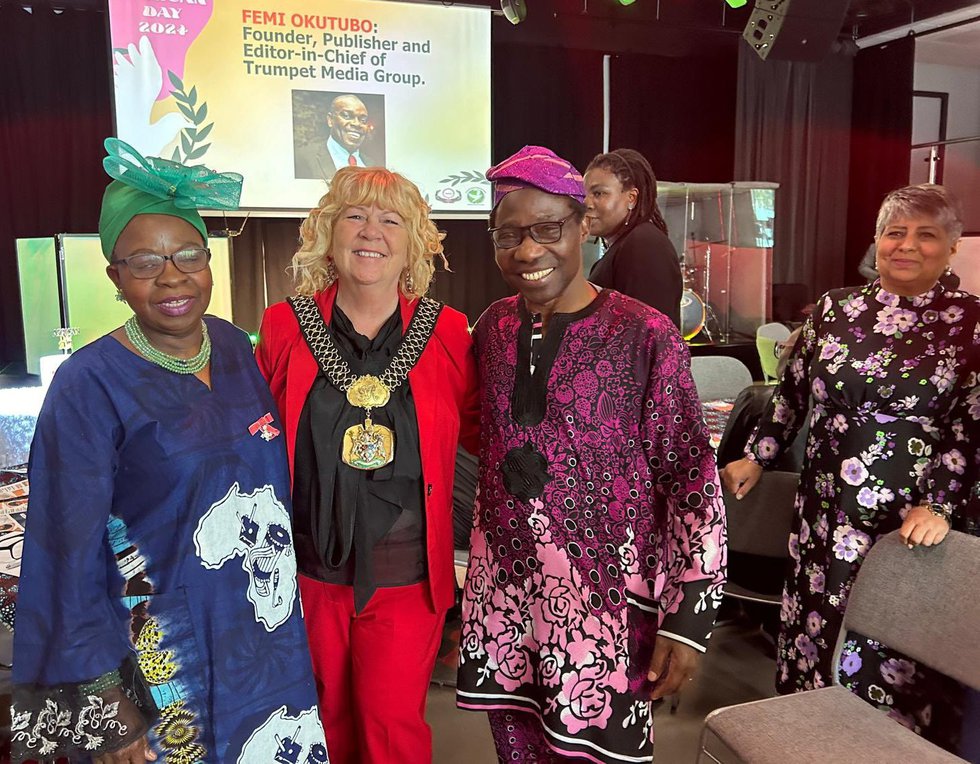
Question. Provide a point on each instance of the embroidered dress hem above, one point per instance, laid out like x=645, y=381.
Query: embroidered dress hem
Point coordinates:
x=71, y=721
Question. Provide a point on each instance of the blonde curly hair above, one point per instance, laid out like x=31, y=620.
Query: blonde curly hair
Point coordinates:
x=366, y=187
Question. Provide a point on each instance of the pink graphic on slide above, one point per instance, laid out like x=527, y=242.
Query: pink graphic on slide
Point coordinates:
x=171, y=30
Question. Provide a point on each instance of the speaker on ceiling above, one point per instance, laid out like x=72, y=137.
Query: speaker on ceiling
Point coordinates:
x=795, y=30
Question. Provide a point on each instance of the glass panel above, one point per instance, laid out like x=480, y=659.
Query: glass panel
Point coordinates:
x=961, y=175
x=37, y=270
x=724, y=234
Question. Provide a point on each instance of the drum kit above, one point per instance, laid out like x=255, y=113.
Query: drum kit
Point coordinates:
x=698, y=319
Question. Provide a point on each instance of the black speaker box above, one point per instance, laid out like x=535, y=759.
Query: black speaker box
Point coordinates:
x=795, y=30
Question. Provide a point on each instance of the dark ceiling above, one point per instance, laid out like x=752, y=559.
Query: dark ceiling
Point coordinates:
x=683, y=27
x=873, y=16
x=669, y=27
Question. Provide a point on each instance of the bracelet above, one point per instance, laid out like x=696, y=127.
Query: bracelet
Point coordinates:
x=945, y=511
x=103, y=683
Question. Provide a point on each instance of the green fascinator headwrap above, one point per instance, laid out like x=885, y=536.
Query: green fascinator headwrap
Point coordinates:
x=155, y=186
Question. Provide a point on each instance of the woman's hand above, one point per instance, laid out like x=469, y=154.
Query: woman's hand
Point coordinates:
x=673, y=664
x=740, y=477
x=922, y=527
x=136, y=752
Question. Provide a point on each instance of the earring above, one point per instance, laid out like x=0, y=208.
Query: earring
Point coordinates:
x=331, y=271
x=408, y=281
x=119, y=295
x=948, y=271
x=629, y=214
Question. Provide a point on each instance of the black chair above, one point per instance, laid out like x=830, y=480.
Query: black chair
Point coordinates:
x=759, y=524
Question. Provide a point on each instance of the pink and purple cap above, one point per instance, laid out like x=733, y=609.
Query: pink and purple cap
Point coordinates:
x=536, y=167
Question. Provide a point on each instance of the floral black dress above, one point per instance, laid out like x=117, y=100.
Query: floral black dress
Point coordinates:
x=895, y=422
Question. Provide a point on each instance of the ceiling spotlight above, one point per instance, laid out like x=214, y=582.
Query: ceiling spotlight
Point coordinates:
x=736, y=3
x=515, y=11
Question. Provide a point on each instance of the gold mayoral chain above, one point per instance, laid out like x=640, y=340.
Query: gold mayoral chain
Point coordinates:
x=366, y=446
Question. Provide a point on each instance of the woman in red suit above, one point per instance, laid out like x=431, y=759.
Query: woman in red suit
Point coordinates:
x=375, y=384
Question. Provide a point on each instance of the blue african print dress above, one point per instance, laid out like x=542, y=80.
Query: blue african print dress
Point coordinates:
x=158, y=586
x=895, y=389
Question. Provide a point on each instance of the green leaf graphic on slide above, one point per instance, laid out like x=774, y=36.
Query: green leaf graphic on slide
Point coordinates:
x=192, y=145
x=465, y=176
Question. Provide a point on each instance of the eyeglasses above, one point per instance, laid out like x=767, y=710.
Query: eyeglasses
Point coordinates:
x=508, y=237
x=351, y=116
x=149, y=266
x=14, y=546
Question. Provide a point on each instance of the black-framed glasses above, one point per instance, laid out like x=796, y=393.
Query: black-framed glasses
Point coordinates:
x=547, y=232
x=150, y=265
x=13, y=546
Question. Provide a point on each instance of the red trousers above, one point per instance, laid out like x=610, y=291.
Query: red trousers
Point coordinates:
x=372, y=670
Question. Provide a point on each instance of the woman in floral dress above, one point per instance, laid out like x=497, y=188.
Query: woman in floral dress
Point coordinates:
x=891, y=370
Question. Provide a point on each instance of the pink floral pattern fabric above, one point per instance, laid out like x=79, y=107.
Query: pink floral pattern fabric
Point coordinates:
x=895, y=422
x=566, y=592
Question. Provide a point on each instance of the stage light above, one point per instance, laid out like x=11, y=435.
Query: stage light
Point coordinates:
x=737, y=3
x=515, y=11
x=626, y=2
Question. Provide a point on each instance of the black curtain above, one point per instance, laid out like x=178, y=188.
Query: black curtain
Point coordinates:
x=475, y=281
x=261, y=251
x=880, y=139
x=791, y=127
x=54, y=114
x=549, y=97
x=678, y=112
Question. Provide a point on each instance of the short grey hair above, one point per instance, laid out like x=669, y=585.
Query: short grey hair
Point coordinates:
x=927, y=200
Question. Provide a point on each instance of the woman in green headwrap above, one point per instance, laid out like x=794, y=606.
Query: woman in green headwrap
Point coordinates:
x=158, y=615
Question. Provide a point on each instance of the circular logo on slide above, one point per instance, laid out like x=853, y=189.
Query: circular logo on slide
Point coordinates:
x=448, y=195
x=476, y=195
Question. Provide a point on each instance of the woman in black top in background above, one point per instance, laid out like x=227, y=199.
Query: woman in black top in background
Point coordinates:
x=640, y=261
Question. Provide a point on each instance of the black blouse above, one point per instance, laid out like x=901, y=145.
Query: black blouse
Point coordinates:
x=368, y=525
x=643, y=264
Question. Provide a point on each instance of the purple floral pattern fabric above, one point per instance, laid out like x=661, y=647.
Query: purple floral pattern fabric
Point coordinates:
x=927, y=702
x=894, y=384
x=566, y=591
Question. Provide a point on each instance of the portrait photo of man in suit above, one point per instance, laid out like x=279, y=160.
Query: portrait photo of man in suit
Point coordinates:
x=332, y=130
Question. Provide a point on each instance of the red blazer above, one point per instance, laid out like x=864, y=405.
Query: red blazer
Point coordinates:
x=444, y=387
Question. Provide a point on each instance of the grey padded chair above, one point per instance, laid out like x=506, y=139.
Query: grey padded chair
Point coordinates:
x=719, y=376
x=760, y=523
x=894, y=601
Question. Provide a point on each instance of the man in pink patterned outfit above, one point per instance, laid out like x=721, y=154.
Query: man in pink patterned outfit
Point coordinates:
x=598, y=549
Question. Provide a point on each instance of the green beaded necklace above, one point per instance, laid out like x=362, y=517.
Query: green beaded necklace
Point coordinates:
x=134, y=332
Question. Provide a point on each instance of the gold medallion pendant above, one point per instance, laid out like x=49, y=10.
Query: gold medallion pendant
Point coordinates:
x=368, y=446
x=368, y=392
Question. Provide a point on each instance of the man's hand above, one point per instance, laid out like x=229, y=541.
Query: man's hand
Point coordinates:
x=672, y=666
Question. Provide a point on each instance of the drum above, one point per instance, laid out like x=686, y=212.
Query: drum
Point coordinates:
x=693, y=314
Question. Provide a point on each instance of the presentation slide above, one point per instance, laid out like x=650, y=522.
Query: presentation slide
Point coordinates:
x=286, y=91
